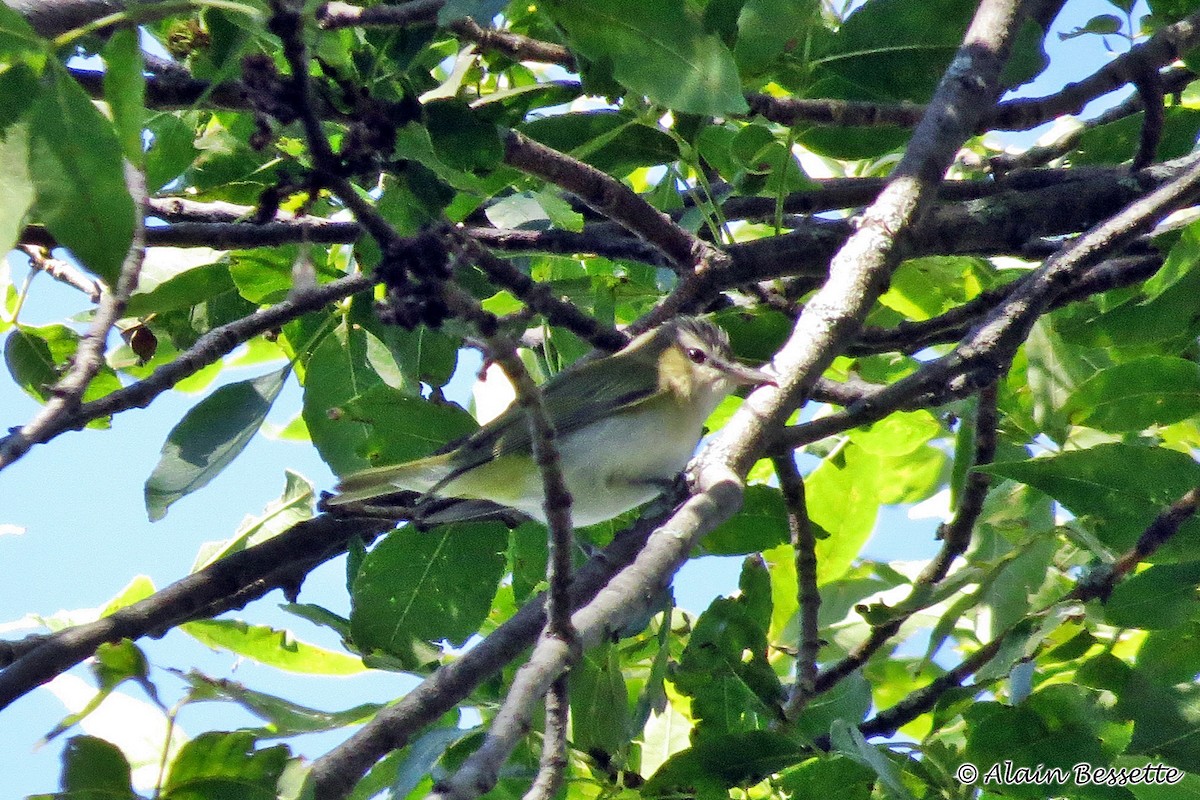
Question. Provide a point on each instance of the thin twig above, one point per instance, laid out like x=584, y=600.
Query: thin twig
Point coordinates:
x=608, y=196
x=557, y=505
x=628, y=595
x=337, y=14
x=557, y=502
x=208, y=349
x=512, y=45
x=1149, y=84
x=62, y=271
x=552, y=766
x=89, y=355
x=804, y=544
x=1100, y=583
x=1164, y=526
x=1164, y=47
x=912, y=336
x=539, y=297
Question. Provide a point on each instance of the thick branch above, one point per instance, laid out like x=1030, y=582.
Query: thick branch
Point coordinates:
x=627, y=596
x=335, y=774
x=861, y=268
x=227, y=584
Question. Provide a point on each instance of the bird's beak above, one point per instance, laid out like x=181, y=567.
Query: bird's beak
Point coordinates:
x=747, y=376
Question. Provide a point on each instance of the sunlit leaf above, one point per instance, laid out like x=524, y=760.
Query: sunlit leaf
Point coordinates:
x=209, y=438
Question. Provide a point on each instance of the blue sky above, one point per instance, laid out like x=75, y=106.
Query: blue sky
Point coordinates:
x=79, y=501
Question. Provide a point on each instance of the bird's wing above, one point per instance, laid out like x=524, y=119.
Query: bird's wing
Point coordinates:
x=576, y=397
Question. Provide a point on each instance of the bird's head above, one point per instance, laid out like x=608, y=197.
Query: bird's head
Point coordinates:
x=696, y=363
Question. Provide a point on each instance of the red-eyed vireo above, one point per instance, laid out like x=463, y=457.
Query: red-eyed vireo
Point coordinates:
x=626, y=426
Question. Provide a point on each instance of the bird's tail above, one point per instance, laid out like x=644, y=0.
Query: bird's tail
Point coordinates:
x=418, y=476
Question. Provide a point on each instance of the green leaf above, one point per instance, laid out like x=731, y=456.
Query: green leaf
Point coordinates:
x=1171, y=655
x=293, y=506
x=829, y=776
x=80, y=177
x=657, y=48
x=760, y=524
x=337, y=372
x=724, y=670
x=1156, y=390
x=116, y=662
x=192, y=285
x=847, y=739
x=273, y=647
x=528, y=553
x=922, y=288
x=520, y=210
x=1056, y=367
x=723, y=762
x=1182, y=258
x=1159, y=597
x=897, y=434
x=898, y=50
x=213, y=763
x=38, y=357
x=1117, y=142
x=96, y=768
x=1057, y=726
x=847, y=702
x=171, y=150
x=611, y=141
x=125, y=90
x=667, y=732
x=767, y=28
x=209, y=437
x=403, y=427
x=462, y=138
x=20, y=43
x=842, y=500
x=17, y=189
x=1100, y=25
x=1165, y=720
x=421, y=757
x=599, y=701
x=410, y=592
x=282, y=716
x=1120, y=487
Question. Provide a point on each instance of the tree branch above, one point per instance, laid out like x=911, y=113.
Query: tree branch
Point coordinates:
x=860, y=270
x=988, y=349
x=609, y=197
x=227, y=584
x=335, y=774
x=804, y=544
x=59, y=270
x=1165, y=46
x=89, y=355
x=210, y=347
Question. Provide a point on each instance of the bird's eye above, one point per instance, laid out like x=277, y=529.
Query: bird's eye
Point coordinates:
x=697, y=355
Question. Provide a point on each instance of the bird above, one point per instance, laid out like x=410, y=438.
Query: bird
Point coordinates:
x=625, y=424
